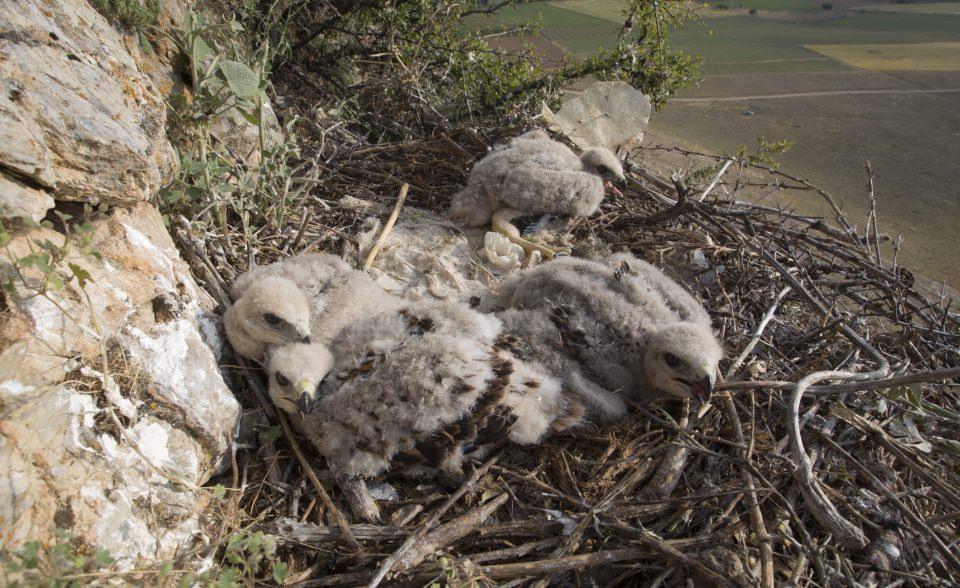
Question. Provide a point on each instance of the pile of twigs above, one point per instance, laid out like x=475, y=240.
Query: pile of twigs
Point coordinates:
x=829, y=455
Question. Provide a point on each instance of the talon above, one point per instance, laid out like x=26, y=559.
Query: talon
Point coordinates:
x=500, y=223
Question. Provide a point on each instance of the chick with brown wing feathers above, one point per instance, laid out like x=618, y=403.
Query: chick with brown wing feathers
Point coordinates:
x=415, y=390
x=620, y=323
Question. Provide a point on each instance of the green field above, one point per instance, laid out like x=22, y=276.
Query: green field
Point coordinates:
x=609, y=10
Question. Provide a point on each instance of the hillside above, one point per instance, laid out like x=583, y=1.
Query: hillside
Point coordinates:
x=169, y=148
x=860, y=82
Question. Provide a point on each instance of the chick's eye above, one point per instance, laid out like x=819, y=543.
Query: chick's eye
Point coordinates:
x=671, y=359
x=283, y=380
x=320, y=384
x=604, y=170
x=271, y=318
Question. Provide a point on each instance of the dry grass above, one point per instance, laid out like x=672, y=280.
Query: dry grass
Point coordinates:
x=671, y=492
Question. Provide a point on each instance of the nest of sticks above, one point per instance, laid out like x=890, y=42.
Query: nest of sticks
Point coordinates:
x=829, y=454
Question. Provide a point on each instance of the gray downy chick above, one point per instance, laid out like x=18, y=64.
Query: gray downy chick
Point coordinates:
x=621, y=323
x=534, y=174
x=335, y=293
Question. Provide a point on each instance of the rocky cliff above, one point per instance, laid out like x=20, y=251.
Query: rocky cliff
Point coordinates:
x=113, y=409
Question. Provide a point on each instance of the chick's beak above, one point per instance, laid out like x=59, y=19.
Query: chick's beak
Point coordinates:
x=703, y=388
x=614, y=189
x=304, y=339
x=306, y=396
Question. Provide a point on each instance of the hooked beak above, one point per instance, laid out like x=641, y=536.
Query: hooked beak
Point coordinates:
x=306, y=397
x=703, y=389
x=613, y=189
x=304, y=339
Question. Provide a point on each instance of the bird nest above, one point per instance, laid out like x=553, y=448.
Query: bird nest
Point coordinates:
x=829, y=454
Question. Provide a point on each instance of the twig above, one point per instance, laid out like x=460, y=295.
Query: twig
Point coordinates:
x=756, y=517
x=876, y=384
x=372, y=254
x=328, y=504
x=448, y=533
x=816, y=500
x=716, y=178
x=397, y=555
x=318, y=486
x=757, y=334
x=872, y=218
x=883, y=489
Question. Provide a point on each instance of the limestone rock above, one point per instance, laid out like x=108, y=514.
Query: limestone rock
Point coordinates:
x=606, y=114
x=131, y=489
x=77, y=116
x=20, y=201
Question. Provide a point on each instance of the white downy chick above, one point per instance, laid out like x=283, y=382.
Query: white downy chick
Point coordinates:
x=271, y=311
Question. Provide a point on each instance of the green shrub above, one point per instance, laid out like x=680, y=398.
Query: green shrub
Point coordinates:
x=132, y=14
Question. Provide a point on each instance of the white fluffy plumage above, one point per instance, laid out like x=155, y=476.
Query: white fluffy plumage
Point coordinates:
x=620, y=323
x=415, y=387
x=322, y=287
x=534, y=174
x=272, y=310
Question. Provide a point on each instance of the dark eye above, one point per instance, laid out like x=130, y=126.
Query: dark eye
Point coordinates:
x=603, y=170
x=671, y=359
x=282, y=380
x=320, y=384
x=271, y=318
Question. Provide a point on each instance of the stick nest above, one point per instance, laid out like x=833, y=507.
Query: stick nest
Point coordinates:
x=724, y=495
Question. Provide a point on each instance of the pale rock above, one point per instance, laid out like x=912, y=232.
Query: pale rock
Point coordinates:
x=62, y=459
x=77, y=117
x=607, y=114
x=20, y=201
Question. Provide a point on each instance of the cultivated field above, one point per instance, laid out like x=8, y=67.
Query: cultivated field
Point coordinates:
x=845, y=85
x=927, y=8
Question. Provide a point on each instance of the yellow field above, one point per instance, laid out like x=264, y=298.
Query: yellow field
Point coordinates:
x=611, y=10
x=926, y=8
x=895, y=57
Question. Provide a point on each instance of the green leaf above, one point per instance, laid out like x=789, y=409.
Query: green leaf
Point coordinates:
x=165, y=570
x=103, y=558
x=200, y=49
x=279, y=572
x=915, y=394
x=82, y=275
x=28, y=554
x=228, y=578
x=243, y=81
x=251, y=118
x=54, y=282
x=219, y=491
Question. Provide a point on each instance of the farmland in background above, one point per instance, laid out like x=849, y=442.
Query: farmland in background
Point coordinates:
x=862, y=80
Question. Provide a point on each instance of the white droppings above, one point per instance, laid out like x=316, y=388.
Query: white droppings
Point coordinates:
x=14, y=388
x=112, y=391
x=151, y=439
x=123, y=534
x=162, y=256
x=209, y=330
x=82, y=407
